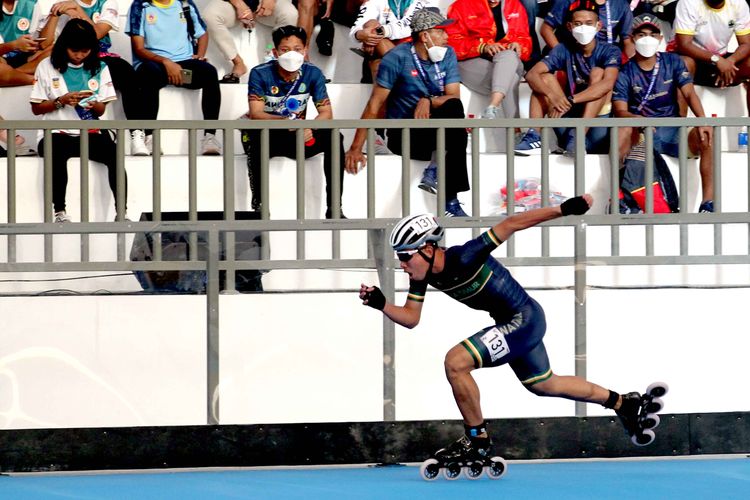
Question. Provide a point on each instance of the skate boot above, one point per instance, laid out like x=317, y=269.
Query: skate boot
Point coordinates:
x=638, y=413
x=463, y=455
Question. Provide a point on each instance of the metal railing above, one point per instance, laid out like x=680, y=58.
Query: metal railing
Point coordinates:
x=379, y=255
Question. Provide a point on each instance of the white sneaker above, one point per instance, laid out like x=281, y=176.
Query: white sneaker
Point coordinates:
x=210, y=145
x=149, y=142
x=138, y=144
x=62, y=216
x=381, y=148
x=490, y=112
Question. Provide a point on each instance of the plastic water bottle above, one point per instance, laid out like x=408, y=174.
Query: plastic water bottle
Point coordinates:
x=742, y=142
x=269, y=53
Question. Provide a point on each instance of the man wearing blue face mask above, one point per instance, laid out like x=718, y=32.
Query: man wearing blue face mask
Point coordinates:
x=589, y=68
x=420, y=79
x=648, y=86
x=279, y=90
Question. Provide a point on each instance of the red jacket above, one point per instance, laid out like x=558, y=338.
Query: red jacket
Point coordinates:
x=475, y=27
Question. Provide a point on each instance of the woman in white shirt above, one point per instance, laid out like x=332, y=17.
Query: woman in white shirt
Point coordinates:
x=74, y=84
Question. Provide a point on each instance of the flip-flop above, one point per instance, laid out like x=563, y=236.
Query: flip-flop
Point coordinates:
x=230, y=78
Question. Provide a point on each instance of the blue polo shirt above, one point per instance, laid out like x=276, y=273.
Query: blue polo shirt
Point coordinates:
x=164, y=29
x=577, y=67
x=285, y=98
x=615, y=16
x=399, y=73
x=633, y=84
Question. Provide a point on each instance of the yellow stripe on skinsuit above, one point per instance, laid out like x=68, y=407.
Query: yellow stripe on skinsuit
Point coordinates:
x=539, y=378
x=474, y=353
x=415, y=297
x=491, y=234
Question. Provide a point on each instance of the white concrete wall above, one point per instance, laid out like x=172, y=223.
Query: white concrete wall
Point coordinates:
x=130, y=361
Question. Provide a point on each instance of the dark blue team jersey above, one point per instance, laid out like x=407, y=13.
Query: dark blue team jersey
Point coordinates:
x=615, y=16
x=399, y=73
x=287, y=98
x=472, y=276
x=577, y=67
x=633, y=86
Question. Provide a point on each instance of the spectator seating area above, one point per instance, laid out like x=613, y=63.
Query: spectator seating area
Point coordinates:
x=348, y=98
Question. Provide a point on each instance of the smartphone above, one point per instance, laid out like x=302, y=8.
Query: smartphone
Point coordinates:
x=187, y=76
x=90, y=99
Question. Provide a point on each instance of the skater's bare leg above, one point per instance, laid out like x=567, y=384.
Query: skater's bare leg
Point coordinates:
x=575, y=388
x=458, y=367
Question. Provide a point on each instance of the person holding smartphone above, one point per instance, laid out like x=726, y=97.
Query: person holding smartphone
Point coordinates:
x=104, y=16
x=74, y=84
x=165, y=42
x=379, y=28
x=20, y=49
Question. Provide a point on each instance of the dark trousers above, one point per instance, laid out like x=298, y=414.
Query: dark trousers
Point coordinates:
x=101, y=149
x=152, y=77
x=126, y=83
x=283, y=143
x=424, y=142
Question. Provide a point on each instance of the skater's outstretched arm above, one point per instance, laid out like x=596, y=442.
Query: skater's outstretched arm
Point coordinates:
x=407, y=315
x=578, y=205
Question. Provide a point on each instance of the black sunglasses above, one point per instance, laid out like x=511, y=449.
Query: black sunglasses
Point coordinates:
x=406, y=255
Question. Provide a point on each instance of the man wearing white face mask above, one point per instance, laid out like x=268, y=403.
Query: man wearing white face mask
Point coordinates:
x=648, y=86
x=279, y=90
x=615, y=16
x=420, y=79
x=590, y=68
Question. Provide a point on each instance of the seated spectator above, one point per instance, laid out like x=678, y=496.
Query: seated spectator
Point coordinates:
x=309, y=13
x=648, y=86
x=73, y=84
x=589, y=71
x=280, y=90
x=223, y=15
x=533, y=10
x=489, y=54
x=169, y=48
x=615, y=18
x=420, y=80
x=21, y=52
x=104, y=16
x=703, y=31
x=381, y=25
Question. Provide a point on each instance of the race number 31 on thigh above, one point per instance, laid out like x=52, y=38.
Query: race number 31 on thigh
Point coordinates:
x=496, y=344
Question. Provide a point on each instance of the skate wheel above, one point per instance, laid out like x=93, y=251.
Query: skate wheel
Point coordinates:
x=430, y=469
x=474, y=470
x=655, y=405
x=650, y=421
x=657, y=389
x=497, y=468
x=452, y=471
x=643, y=439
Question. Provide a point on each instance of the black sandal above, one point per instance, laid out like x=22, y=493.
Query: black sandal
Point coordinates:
x=230, y=78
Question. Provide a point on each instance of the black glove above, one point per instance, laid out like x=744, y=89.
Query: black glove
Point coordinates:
x=574, y=206
x=375, y=298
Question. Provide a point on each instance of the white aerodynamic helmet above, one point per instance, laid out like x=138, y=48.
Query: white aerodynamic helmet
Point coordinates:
x=415, y=231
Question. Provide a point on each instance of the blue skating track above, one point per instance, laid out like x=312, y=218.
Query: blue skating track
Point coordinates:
x=717, y=478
